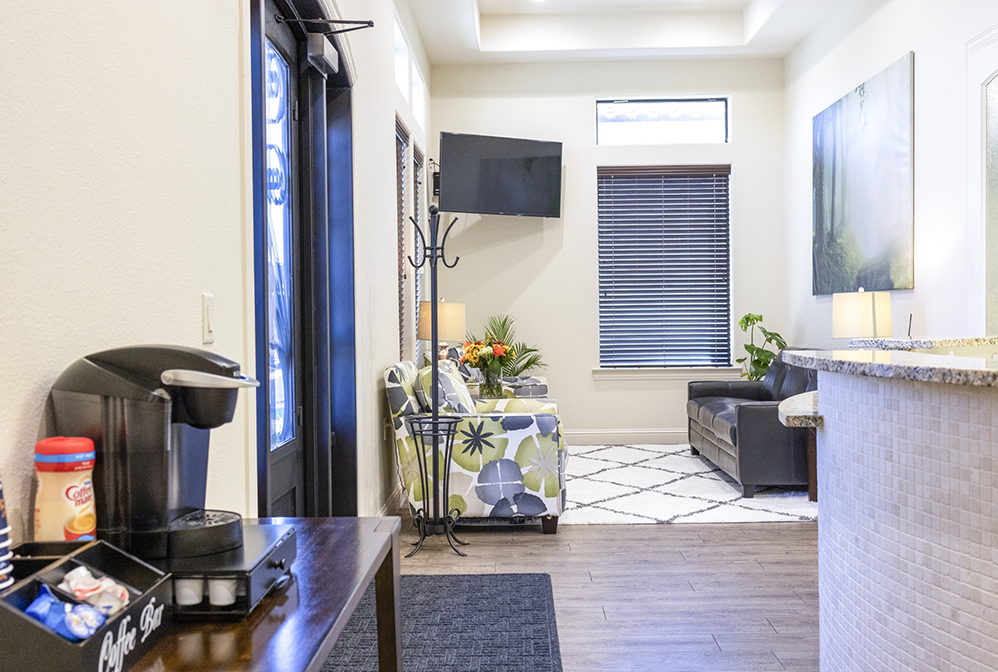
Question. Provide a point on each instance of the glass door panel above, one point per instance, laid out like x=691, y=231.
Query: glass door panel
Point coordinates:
x=280, y=320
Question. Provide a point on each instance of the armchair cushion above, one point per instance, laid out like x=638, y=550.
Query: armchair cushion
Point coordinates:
x=452, y=392
x=401, y=381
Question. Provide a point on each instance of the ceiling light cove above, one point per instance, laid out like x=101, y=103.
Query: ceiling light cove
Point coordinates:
x=508, y=31
x=579, y=32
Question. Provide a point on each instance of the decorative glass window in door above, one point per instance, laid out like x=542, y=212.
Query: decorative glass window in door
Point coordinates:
x=280, y=322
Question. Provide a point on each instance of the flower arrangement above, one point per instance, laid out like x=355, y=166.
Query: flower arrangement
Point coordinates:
x=490, y=356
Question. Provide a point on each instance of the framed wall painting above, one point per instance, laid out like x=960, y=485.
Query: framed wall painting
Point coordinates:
x=863, y=186
x=991, y=204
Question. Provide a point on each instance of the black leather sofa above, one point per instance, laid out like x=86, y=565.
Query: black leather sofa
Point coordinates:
x=736, y=425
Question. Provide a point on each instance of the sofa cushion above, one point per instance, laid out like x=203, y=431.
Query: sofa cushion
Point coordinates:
x=724, y=426
x=707, y=410
x=795, y=381
x=452, y=392
x=774, y=379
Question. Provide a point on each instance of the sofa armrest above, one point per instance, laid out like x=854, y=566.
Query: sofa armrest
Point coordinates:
x=741, y=389
x=768, y=452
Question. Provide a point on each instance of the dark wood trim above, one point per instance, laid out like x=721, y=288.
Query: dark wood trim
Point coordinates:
x=343, y=449
x=315, y=295
x=325, y=260
x=259, y=253
x=812, y=464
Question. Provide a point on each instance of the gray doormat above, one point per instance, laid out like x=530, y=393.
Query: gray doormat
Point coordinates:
x=466, y=622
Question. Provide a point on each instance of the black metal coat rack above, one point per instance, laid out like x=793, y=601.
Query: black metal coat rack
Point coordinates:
x=439, y=431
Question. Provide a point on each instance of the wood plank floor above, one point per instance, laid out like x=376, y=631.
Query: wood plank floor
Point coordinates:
x=717, y=597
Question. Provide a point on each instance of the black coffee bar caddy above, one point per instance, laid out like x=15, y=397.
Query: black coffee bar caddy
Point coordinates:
x=149, y=410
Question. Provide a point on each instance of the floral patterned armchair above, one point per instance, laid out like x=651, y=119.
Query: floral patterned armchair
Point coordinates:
x=508, y=460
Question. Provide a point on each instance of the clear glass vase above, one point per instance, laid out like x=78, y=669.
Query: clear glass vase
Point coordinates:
x=491, y=385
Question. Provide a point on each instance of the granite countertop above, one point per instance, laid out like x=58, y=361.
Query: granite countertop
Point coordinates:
x=900, y=364
x=920, y=343
x=801, y=410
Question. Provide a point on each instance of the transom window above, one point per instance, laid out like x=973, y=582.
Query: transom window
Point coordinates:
x=664, y=266
x=661, y=122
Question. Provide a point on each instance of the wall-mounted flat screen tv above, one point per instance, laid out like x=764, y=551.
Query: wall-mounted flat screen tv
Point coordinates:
x=499, y=176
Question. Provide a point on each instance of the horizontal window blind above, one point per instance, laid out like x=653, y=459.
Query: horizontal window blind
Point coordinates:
x=664, y=266
x=401, y=145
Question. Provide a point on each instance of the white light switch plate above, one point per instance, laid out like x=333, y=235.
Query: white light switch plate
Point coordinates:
x=207, y=318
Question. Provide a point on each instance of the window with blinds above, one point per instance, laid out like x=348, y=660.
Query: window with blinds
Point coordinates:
x=664, y=266
x=401, y=145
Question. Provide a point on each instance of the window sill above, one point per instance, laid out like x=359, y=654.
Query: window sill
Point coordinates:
x=676, y=373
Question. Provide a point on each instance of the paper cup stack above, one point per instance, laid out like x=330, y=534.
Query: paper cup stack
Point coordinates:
x=6, y=571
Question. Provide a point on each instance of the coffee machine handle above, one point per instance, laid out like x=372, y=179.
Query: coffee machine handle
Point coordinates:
x=191, y=378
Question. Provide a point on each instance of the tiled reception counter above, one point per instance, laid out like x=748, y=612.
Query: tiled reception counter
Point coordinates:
x=908, y=523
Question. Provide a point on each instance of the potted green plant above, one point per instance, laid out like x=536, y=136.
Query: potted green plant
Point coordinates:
x=757, y=361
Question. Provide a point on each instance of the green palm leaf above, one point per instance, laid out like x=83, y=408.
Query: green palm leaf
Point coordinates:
x=501, y=328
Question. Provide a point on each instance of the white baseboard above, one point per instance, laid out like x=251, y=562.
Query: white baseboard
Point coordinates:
x=601, y=437
x=394, y=503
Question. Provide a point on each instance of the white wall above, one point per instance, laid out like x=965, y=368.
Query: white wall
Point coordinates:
x=126, y=183
x=544, y=271
x=125, y=194
x=376, y=101
x=948, y=298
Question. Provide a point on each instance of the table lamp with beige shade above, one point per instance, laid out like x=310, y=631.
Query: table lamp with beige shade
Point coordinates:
x=450, y=324
x=861, y=314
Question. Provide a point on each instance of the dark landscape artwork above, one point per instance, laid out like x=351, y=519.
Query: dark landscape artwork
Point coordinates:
x=862, y=188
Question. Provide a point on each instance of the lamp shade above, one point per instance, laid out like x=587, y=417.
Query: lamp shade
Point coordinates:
x=861, y=315
x=450, y=321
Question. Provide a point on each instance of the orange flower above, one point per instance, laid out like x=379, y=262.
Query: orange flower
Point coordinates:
x=498, y=350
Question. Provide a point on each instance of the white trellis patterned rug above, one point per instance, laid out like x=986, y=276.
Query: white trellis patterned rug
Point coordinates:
x=666, y=484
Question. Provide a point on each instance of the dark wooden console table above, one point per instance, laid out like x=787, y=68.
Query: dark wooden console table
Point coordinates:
x=294, y=628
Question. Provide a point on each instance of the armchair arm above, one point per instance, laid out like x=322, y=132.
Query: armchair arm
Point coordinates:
x=505, y=464
x=517, y=405
x=742, y=389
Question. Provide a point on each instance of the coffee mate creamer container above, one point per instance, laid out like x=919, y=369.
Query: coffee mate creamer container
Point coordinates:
x=64, y=502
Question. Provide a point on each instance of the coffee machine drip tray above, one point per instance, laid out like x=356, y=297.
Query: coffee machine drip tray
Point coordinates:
x=204, y=532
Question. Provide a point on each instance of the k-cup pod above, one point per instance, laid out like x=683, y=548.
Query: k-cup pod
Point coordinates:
x=187, y=592
x=221, y=592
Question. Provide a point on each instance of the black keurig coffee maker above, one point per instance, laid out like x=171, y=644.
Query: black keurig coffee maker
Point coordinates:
x=149, y=410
